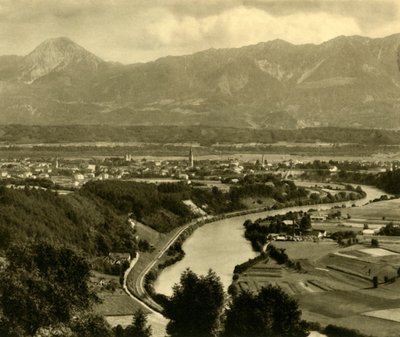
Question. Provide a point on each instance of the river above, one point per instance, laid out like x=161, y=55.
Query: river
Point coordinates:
x=221, y=245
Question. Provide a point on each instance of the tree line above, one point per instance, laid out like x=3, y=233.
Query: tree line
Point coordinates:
x=205, y=135
x=388, y=181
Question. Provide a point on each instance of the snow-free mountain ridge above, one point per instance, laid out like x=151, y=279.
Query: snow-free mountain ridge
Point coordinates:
x=347, y=81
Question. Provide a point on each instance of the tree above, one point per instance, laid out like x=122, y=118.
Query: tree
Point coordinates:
x=375, y=281
x=90, y=325
x=305, y=223
x=43, y=286
x=139, y=327
x=195, y=306
x=271, y=312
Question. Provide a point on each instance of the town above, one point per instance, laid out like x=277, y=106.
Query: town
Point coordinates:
x=70, y=173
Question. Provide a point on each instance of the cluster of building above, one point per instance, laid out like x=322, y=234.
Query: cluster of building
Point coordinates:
x=74, y=172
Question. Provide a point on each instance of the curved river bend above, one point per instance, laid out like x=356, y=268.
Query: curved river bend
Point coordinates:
x=221, y=245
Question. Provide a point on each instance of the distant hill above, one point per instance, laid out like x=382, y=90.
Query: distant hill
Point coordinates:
x=201, y=134
x=346, y=82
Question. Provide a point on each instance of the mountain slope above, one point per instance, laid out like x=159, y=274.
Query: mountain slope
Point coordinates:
x=58, y=55
x=347, y=81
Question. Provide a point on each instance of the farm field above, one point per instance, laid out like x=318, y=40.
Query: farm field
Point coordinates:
x=334, y=285
x=390, y=209
x=350, y=309
x=114, y=302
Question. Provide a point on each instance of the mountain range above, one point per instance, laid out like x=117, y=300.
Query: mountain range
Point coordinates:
x=346, y=82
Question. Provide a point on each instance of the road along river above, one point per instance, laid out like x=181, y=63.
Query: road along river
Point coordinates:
x=221, y=245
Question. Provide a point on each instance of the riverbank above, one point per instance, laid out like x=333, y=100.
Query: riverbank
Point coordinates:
x=154, y=281
x=232, y=249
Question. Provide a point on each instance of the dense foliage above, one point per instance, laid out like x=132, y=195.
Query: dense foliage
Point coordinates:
x=281, y=191
x=94, y=218
x=159, y=206
x=240, y=268
x=390, y=181
x=390, y=230
x=195, y=307
x=138, y=328
x=339, y=236
x=271, y=312
x=85, y=222
x=42, y=288
x=338, y=331
x=216, y=201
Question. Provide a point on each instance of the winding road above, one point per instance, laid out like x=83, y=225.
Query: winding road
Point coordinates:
x=139, y=293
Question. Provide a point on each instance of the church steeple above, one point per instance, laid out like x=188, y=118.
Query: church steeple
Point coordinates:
x=191, y=160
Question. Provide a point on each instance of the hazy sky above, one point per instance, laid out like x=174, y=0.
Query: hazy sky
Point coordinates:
x=142, y=30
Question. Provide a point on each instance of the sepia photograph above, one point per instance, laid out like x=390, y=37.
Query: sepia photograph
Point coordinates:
x=199, y=168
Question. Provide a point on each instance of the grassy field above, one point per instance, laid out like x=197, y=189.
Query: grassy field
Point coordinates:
x=307, y=250
x=334, y=285
x=116, y=304
x=349, y=309
x=113, y=301
x=389, y=209
x=147, y=233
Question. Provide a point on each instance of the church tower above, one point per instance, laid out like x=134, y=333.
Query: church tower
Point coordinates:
x=191, y=160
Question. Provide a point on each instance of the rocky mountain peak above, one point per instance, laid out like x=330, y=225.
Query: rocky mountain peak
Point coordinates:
x=347, y=81
x=55, y=55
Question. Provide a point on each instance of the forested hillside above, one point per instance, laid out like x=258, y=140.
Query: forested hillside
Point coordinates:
x=94, y=219
x=84, y=222
x=159, y=206
x=205, y=135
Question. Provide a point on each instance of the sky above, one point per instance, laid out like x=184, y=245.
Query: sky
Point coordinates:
x=131, y=31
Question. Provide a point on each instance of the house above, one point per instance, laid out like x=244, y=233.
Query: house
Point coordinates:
x=370, y=231
x=132, y=223
x=319, y=233
x=318, y=217
x=79, y=176
x=288, y=222
x=119, y=258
